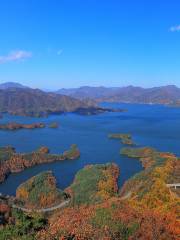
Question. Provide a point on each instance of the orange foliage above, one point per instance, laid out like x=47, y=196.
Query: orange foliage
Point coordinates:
x=108, y=186
x=22, y=193
x=4, y=208
x=47, y=200
x=77, y=223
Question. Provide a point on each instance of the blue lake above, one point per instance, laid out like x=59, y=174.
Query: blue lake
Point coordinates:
x=150, y=125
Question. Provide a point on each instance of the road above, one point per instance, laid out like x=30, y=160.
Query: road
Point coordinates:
x=43, y=210
x=126, y=196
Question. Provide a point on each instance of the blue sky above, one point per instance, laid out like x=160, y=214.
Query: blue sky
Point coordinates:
x=69, y=43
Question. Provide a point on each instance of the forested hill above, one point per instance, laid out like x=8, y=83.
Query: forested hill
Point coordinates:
x=34, y=102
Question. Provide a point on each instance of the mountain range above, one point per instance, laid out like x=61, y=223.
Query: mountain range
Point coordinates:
x=18, y=99
x=7, y=85
x=36, y=103
x=169, y=95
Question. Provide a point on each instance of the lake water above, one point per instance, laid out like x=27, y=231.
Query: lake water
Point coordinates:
x=150, y=125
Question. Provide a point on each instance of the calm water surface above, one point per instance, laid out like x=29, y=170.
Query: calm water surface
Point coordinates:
x=150, y=125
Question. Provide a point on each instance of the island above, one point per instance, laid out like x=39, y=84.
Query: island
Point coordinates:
x=12, y=162
x=17, y=126
x=94, y=110
x=39, y=192
x=72, y=153
x=53, y=125
x=125, y=138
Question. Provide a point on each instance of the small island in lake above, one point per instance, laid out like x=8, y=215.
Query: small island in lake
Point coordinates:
x=17, y=126
x=53, y=125
x=12, y=162
x=72, y=153
x=39, y=192
x=125, y=138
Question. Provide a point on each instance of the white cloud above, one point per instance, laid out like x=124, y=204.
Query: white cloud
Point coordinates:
x=15, y=56
x=175, y=28
x=59, y=52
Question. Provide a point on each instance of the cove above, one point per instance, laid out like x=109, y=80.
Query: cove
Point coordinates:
x=150, y=125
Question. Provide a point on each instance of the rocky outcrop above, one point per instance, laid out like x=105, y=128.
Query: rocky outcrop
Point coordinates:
x=12, y=162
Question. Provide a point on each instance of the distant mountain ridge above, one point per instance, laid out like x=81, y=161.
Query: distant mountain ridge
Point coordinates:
x=169, y=95
x=88, y=92
x=18, y=99
x=7, y=85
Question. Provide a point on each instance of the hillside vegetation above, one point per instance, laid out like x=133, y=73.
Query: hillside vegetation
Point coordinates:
x=145, y=208
x=94, y=183
x=12, y=162
x=39, y=192
x=36, y=103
